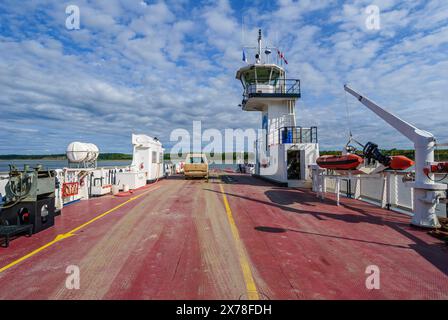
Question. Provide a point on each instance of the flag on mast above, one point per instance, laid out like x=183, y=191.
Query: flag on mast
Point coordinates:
x=282, y=56
x=244, y=56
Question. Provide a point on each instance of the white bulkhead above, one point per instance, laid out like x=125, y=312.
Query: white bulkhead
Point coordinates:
x=147, y=156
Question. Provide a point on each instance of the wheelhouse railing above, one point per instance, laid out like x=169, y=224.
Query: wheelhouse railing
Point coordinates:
x=297, y=135
x=289, y=135
x=273, y=88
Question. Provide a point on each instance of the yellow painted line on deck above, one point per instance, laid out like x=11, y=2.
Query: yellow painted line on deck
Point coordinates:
x=251, y=287
x=71, y=233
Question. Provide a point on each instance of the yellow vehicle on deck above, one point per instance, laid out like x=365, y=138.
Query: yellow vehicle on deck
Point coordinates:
x=196, y=166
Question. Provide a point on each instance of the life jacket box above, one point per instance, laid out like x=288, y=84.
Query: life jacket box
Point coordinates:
x=134, y=180
x=100, y=190
x=38, y=213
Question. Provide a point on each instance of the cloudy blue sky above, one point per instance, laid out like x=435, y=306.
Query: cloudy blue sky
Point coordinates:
x=153, y=66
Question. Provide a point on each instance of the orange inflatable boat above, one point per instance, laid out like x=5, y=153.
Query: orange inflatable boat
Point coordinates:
x=343, y=162
x=400, y=163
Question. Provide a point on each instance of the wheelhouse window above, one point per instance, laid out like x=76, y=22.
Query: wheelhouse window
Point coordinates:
x=261, y=75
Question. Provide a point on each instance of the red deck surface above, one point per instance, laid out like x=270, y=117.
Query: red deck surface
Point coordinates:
x=175, y=242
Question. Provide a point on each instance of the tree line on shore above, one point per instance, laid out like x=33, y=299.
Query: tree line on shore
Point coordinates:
x=440, y=154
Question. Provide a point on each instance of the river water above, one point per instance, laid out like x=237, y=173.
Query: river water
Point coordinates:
x=58, y=164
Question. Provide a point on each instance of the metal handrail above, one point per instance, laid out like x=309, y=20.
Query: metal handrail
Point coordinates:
x=280, y=86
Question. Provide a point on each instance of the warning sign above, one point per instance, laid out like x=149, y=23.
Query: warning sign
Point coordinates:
x=70, y=189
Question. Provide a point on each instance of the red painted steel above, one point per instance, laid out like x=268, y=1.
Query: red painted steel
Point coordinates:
x=175, y=243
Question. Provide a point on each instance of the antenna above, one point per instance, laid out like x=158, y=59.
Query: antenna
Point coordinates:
x=242, y=30
x=276, y=45
x=267, y=53
x=258, y=55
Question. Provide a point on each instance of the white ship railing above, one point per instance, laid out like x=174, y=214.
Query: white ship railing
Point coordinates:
x=387, y=190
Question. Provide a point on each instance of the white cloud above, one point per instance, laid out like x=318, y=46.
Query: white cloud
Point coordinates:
x=152, y=67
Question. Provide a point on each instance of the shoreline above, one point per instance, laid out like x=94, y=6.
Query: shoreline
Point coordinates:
x=55, y=159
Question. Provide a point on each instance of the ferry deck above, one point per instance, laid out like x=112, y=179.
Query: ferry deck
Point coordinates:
x=234, y=237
